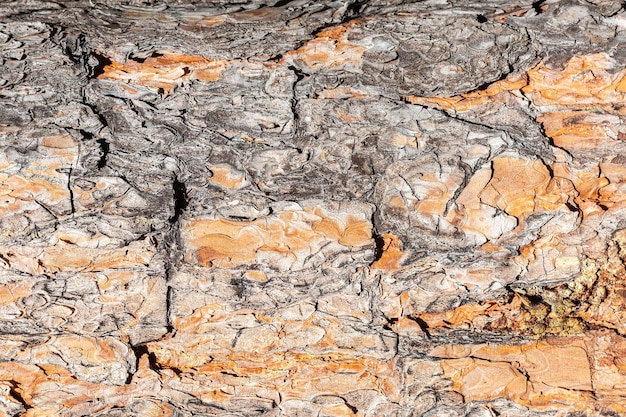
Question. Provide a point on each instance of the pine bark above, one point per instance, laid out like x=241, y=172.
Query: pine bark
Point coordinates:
x=299, y=208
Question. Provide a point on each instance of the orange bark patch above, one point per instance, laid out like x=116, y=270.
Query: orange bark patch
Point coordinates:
x=115, y=279
x=227, y=177
x=613, y=194
x=165, y=71
x=73, y=258
x=285, y=240
x=254, y=275
x=391, y=255
x=545, y=374
x=477, y=216
x=347, y=117
x=17, y=193
x=480, y=380
x=39, y=386
x=59, y=141
x=586, y=81
x=211, y=21
x=41, y=182
x=519, y=187
x=297, y=376
x=401, y=141
x=300, y=358
x=464, y=102
x=340, y=93
x=459, y=316
x=580, y=130
x=330, y=49
x=13, y=291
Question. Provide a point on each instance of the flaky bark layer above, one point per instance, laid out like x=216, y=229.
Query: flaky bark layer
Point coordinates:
x=295, y=208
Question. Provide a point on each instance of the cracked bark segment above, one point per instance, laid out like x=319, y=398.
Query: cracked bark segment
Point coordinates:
x=67, y=235
x=263, y=380
x=291, y=239
x=219, y=383
x=588, y=80
x=390, y=49
x=37, y=389
x=271, y=30
x=437, y=67
x=545, y=375
x=468, y=200
x=89, y=359
x=591, y=299
x=312, y=341
x=329, y=51
x=39, y=192
x=558, y=187
x=164, y=70
x=76, y=283
x=422, y=190
x=554, y=29
x=293, y=352
x=566, y=98
x=548, y=249
x=562, y=99
x=540, y=368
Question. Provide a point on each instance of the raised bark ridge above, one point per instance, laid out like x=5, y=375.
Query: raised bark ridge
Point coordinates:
x=350, y=208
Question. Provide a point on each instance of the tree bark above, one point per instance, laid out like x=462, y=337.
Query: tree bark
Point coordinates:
x=298, y=208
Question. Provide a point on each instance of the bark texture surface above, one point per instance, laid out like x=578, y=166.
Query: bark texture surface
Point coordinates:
x=301, y=208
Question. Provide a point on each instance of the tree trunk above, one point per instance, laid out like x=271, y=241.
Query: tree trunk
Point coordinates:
x=299, y=208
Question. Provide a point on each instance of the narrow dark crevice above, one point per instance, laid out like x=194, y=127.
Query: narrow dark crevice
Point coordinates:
x=169, y=327
x=539, y=6
x=352, y=408
x=276, y=58
x=390, y=322
x=173, y=246
x=96, y=112
x=380, y=247
x=300, y=75
x=68, y=171
x=73, y=44
x=534, y=299
x=421, y=323
x=86, y=135
x=353, y=10
x=173, y=254
x=69, y=188
x=141, y=60
x=102, y=62
x=105, y=148
x=17, y=396
x=140, y=351
x=180, y=200
x=282, y=3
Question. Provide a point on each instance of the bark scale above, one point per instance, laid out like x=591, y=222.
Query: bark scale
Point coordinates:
x=295, y=208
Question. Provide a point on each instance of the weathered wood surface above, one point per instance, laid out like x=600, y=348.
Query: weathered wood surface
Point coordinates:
x=298, y=208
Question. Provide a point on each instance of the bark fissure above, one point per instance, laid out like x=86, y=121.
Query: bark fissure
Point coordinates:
x=180, y=200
